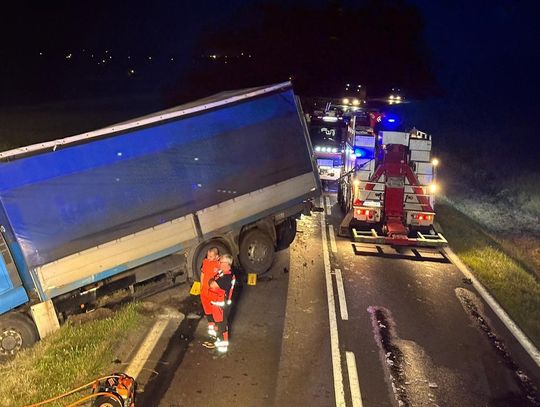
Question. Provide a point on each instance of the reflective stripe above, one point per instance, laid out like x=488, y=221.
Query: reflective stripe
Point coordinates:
x=222, y=349
x=221, y=343
x=229, y=302
x=233, y=282
x=218, y=303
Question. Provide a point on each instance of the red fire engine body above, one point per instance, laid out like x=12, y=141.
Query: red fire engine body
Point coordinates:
x=387, y=190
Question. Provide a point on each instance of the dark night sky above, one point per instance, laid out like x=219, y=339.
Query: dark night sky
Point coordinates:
x=470, y=66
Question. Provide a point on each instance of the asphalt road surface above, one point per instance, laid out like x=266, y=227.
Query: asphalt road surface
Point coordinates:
x=326, y=326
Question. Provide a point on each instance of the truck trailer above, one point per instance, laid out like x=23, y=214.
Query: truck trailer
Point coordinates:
x=139, y=203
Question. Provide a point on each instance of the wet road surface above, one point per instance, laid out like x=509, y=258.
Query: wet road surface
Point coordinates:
x=392, y=332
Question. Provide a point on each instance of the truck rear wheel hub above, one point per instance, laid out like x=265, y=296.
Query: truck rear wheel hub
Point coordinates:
x=10, y=342
x=257, y=252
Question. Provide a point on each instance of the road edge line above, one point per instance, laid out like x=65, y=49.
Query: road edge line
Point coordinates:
x=354, y=383
x=332, y=319
x=520, y=336
x=141, y=357
x=341, y=295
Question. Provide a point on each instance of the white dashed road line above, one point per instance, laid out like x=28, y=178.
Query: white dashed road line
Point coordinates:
x=334, y=338
x=328, y=206
x=332, y=238
x=529, y=347
x=341, y=296
x=356, y=396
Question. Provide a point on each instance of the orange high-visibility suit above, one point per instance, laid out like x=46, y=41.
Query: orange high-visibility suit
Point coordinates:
x=208, y=271
x=221, y=300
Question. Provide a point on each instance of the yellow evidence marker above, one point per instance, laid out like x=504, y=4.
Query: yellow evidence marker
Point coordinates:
x=252, y=279
x=195, y=288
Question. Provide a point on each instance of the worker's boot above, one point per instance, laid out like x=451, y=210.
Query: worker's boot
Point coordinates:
x=212, y=333
x=222, y=344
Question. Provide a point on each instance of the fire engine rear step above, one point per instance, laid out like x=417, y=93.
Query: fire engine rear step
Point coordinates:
x=422, y=240
x=436, y=255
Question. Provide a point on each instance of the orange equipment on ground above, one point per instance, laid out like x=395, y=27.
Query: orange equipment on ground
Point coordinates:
x=116, y=390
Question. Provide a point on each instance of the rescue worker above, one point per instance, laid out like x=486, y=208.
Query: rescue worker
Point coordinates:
x=221, y=289
x=210, y=266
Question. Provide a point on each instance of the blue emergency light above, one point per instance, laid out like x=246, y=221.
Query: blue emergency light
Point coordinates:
x=391, y=122
x=360, y=152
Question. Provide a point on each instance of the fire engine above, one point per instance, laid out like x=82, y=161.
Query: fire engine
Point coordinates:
x=388, y=184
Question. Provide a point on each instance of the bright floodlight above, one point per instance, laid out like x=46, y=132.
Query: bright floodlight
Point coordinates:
x=391, y=97
x=398, y=97
x=435, y=162
x=433, y=188
x=330, y=119
x=355, y=102
x=345, y=101
x=356, y=182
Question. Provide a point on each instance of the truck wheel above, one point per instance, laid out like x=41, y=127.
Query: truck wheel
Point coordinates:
x=201, y=254
x=17, y=331
x=256, y=252
x=286, y=232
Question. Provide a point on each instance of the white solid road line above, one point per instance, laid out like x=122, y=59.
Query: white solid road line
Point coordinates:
x=138, y=362
x=356, y=396
x=332, y=238
x=328, y=206
x=341, y=295
x=334, y=338
x=503, y=316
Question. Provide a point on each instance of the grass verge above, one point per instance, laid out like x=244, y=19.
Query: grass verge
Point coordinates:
x=516, y=290
x=73, y=356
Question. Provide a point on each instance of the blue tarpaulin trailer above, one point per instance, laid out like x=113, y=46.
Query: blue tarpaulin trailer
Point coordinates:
x=146, y=199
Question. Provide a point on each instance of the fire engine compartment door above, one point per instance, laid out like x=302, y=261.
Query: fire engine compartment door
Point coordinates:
x=393, y=196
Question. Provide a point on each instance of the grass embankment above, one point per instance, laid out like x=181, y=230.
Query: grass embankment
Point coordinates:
x=73, y=356
x=515, y=289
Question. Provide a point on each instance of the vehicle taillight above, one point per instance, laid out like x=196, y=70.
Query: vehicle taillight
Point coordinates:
x=357, y=202
x=366, y=212
x=421, y=216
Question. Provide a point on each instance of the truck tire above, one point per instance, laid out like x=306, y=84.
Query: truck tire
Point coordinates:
x=256, y=251
x=201, y=254
x=17, y=331
x=285, y=232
